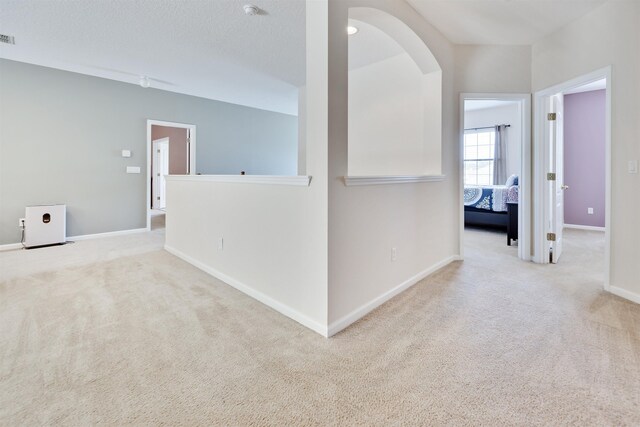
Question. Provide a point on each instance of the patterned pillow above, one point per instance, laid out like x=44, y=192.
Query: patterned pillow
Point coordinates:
x=512, y=180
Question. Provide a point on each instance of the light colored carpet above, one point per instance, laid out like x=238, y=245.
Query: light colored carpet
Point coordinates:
x=157, y=219
x=132, y=335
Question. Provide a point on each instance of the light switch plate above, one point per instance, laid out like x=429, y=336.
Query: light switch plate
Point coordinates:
x=133, y=169
x=126, y=153
x=633, y=166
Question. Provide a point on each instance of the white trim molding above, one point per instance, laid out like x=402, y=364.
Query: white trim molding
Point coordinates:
x=584, y=227
x=623, y=293
x=301, y=180
x=251, y=292
x=107, y=234
x=363, y=310
x=10, y=247
x=391, y=179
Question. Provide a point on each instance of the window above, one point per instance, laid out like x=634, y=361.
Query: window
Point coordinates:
x=478, y=157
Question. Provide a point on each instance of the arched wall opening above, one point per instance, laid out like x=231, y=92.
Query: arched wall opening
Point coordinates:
x=395, y=99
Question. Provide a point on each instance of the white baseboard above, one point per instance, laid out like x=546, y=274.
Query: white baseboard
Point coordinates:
x=253, y=293
x=623, y=293
x=304, y=320
x=363, y=310
x=10, y=246
x=107, y=234
x=584, y=227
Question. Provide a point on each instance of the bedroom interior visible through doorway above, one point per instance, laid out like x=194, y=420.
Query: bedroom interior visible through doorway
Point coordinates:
x=495, y=147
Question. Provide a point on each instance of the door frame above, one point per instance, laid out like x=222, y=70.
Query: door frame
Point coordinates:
x=524, y=208
x=541, y=144
x=192, y=156
x=154, y=164
x=555, y=161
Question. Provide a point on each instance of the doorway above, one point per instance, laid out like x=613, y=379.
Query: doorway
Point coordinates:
x=170, y=151
x=159, y=170
x=495, y=172
x=550, y=161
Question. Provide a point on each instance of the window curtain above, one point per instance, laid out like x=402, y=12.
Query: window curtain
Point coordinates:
x=500, y=156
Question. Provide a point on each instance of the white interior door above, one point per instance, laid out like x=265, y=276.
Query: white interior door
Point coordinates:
x=557, y=187
x=188, y=151
x=159, y=170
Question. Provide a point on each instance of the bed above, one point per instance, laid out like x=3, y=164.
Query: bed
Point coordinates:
x=493, y=206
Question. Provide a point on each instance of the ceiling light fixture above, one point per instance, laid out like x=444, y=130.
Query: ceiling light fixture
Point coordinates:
x=145, y=82
x=351, y=30
x=250, y=9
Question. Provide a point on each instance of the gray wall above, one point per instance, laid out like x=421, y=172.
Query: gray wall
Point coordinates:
x=61, y=134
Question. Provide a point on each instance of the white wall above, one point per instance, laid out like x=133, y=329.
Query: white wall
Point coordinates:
x=432, y=135
x=609, y=35
x=386, y=118
x=341, y=235
x=275, y=237
x=269, y=245
x=302, y=130
x=506, y=114
x=366, y=222
x=493, y=69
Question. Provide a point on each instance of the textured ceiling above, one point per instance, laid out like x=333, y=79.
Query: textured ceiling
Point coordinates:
x=208, y=48
x=500, y=22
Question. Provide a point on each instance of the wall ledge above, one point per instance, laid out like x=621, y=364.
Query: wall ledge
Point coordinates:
x=390, y=179
x=304, y=180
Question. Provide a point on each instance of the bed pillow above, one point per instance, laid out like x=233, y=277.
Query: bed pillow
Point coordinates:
x=512, y=180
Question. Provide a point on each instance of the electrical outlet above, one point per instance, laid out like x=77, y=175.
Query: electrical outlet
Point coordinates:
x=589, y=211
x=21, y=223
x=221, y=244
x=394, y=254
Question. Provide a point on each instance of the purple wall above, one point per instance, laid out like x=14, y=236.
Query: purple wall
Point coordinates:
x=584, y=163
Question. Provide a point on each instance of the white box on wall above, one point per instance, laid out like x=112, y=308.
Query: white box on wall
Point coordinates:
x=45, y=225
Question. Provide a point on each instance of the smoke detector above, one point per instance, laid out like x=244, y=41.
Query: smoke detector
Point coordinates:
x=250, y=9
x=145, y=82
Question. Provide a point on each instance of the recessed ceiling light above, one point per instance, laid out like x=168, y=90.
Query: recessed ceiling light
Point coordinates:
x=250, y=9
x=351, y=30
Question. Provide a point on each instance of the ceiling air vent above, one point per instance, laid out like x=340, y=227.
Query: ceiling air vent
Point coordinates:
x=7, y=39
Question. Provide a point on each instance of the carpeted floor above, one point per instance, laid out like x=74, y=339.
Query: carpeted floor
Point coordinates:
x=118, y=331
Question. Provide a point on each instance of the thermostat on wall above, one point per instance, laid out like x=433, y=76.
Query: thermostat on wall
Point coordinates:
x=126, y=153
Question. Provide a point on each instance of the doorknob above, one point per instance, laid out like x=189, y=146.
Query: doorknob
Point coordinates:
x=565, y=187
